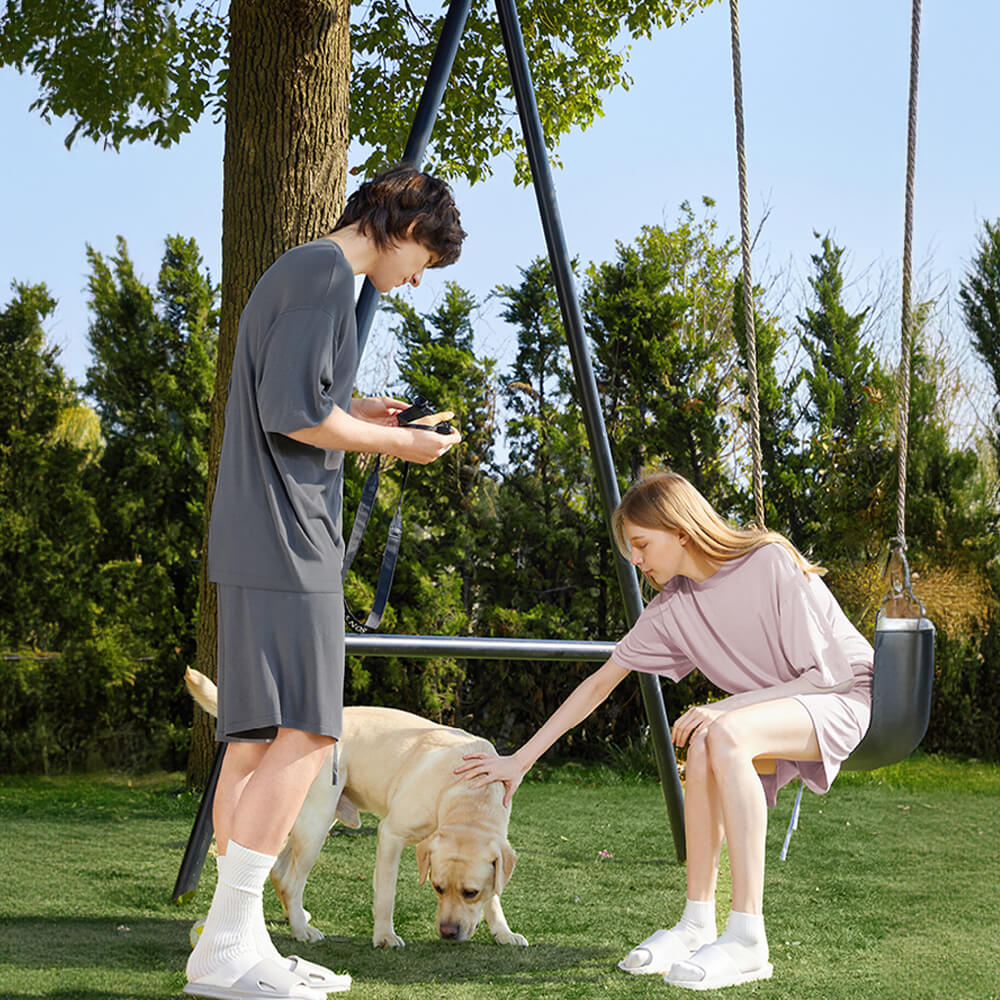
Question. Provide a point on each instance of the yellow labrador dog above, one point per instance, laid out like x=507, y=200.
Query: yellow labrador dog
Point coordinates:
x=401, y=768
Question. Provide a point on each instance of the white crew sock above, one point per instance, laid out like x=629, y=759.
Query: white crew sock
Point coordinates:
x=266, y=948
x=697, y=924
x=231, y=933
x=262, y=939
x=746, y=931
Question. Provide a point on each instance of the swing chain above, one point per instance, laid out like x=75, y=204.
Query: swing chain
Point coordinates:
x=900, y=597
x=899, y=600
x=748, y=304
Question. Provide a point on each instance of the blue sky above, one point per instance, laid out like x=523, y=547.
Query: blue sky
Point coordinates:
x=825, y=91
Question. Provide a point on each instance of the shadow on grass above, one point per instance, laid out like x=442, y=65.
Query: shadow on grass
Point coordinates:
x=45, y=942
x=471, y=961
x=126, y=992
x=159, y=944
x=74, y=993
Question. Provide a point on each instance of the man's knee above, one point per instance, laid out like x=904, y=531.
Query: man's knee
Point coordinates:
x=307, y=741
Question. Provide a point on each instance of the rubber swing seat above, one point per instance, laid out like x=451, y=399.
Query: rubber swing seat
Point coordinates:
x=901, y=692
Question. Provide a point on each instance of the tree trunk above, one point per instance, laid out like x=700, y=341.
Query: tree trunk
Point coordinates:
x=285, y=171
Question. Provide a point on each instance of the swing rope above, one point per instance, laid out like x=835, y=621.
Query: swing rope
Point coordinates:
x=748, y=305
x=899, y=542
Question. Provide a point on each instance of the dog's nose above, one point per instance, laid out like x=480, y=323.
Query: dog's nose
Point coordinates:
x=449, y=931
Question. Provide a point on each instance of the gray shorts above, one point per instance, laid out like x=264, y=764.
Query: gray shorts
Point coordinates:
x=281, y=663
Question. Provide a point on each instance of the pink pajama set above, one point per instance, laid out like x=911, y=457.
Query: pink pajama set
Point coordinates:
x=756, y=622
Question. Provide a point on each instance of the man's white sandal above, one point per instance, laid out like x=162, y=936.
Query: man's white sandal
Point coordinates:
x=318, y=977
x=266, y=978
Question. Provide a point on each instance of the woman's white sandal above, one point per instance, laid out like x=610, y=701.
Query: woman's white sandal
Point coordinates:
x=656, y=955
x=716, y=966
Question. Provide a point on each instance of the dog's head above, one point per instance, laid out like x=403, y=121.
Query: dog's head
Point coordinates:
x=466, y=869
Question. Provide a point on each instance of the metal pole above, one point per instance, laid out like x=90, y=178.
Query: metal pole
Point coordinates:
x=476, y=647
x=420, y=133
x=201, y=836
x=600, y=448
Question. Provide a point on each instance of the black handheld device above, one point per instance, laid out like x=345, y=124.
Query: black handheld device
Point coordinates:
x=422, y=408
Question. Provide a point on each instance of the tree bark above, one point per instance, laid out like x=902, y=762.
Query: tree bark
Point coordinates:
x=284, y=180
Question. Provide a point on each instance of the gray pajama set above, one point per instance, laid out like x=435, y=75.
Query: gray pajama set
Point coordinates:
x=275, y=546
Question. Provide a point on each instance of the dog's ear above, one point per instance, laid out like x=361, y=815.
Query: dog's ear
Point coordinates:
x=424, y=858
x=503, y=867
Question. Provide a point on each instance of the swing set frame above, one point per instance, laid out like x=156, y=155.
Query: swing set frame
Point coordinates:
x=417, y=646
x=460, y=647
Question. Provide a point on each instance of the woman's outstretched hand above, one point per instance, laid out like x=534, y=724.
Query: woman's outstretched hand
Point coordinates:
x=483, y=768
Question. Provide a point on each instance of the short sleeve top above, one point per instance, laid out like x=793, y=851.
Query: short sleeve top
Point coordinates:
x=756, y=622
x=276, y=515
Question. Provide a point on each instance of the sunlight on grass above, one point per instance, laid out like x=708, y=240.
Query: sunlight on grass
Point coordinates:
x=889, y=891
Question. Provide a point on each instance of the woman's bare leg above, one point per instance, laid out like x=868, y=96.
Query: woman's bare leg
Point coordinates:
x=703, y=829
x=763, y=732
x=769, y=729
x=703, y=823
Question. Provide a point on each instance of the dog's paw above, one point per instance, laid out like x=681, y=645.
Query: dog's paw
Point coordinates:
x=510, y=937
x=387, y=939
x=307, y=932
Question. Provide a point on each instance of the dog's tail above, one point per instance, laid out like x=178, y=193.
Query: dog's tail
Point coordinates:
x=204, y=692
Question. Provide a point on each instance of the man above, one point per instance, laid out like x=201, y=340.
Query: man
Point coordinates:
x=276, y=550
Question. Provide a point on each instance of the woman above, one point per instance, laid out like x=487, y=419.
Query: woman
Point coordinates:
x=752, y=614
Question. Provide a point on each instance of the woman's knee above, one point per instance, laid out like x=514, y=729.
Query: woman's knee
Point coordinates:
x=726, y=737
x=779, y=728
x=698, y=763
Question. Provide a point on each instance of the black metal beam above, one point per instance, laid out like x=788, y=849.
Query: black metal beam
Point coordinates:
x=420, y=134
x=476, y=647
x=600, y=448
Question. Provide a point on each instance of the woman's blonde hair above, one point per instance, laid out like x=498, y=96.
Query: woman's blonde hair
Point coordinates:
x=667, y=501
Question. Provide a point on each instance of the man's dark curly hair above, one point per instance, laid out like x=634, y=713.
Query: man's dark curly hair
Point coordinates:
x=386, y=206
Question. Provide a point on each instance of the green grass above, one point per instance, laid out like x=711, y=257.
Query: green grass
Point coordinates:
x=891, y=890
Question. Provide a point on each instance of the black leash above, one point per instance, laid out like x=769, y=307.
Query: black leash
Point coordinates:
x=421, y=408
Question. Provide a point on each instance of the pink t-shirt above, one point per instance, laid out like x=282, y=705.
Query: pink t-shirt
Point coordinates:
x=756, y=622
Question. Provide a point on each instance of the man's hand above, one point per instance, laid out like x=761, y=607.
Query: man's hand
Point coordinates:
x=377, y=409
x=378, y=432
x=423, y=446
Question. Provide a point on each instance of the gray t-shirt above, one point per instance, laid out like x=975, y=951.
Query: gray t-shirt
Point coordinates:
x=276, y=517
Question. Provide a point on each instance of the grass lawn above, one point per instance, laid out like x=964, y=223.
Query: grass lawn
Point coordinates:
x=891, y=890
